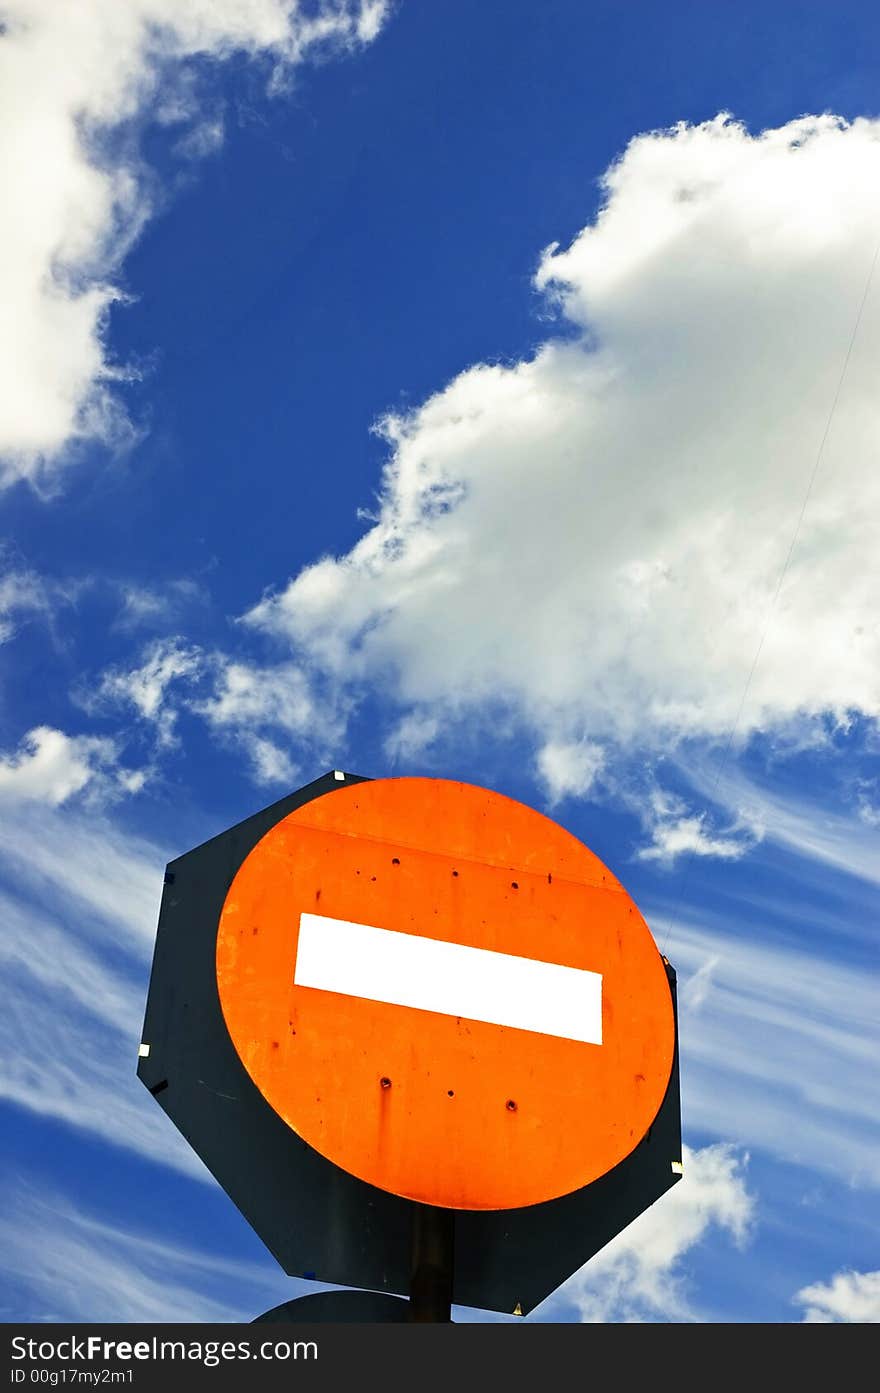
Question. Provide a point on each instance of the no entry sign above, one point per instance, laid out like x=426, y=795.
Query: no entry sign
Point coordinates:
x=445, y=993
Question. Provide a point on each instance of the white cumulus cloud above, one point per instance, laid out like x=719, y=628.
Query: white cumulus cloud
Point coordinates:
x=594, y=537
x=849, y=1296
x=51, y=767
x=569, y=769
x=75, y=82
x=688, y=836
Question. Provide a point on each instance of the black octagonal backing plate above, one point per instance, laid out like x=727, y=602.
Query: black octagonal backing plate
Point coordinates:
x=317, y=1220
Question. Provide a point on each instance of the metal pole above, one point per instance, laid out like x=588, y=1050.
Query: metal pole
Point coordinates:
x=431, y=1264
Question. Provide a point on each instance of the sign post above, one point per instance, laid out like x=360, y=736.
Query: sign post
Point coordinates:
x=433, y=1263
x=442, y=1013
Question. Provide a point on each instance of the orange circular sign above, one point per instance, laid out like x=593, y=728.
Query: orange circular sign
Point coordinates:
x=445, y=993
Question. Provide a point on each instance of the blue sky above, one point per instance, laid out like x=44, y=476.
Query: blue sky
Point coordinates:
x=484, y=391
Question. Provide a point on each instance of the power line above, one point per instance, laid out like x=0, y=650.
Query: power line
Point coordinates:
x=771, y=607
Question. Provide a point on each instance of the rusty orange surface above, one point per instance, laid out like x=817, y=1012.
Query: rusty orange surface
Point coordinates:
x=458, y=863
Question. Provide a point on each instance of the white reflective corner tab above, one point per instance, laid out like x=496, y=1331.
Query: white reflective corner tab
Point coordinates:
x=143, y=1051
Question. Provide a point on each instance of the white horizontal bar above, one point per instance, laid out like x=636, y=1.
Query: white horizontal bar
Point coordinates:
x=401, y=969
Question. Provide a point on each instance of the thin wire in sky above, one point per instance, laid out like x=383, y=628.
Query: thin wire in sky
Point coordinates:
x=673, y=921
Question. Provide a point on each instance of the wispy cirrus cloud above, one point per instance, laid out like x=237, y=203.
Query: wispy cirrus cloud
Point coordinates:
x=779, y=1043
x=22, y=593
x=157, y=607
x=69, y=1032
x=73, y=1265
x=832, y=835
x=67, y=859
x=271, y=712
x=145, y=688
x=268, y=710
x=641, y=1274
x=78, y=906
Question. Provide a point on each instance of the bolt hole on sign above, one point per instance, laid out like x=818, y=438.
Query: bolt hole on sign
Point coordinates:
x=445, y=993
